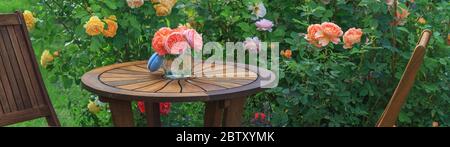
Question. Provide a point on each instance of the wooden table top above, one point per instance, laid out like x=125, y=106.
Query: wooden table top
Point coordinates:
x=133, y=81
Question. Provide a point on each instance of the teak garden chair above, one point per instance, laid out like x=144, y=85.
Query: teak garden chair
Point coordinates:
x=390, y=114
x=23, y=95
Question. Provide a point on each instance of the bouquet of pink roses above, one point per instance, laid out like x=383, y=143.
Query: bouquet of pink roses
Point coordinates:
x=170, y=43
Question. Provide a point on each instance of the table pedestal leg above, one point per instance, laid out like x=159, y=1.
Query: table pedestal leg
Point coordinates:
x=122, y=115
x=232, y=116
x=153, y=115
x=213, y=114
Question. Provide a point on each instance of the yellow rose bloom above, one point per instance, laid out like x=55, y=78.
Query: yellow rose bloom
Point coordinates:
x=422, y=20
x=29, y=19
x=46, y=58
x=93, y=107
x=112, y=26
x=94, y=26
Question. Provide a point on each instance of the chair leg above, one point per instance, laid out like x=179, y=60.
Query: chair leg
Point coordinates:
x=53, y=121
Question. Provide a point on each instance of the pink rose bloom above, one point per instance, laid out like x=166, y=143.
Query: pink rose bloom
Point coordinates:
x=264, y=25
x=175, y=43
x=351, y=37
x=330, y=32
x=135, y=3
x=252, y=44
x=311, y=36
x=194, y=39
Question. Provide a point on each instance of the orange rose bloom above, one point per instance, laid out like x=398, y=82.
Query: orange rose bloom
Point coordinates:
x=286, y=53
x=158, y=40
x=401, y=17
x=311, y=36
x=94, y=26
x=448, y=39
x=112, y=26
x=330, y=33
x=351, y=37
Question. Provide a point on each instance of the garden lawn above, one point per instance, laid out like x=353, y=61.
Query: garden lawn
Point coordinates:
x=8, y=6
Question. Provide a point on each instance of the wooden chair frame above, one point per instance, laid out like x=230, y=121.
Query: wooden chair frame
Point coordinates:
x=23, y=95
x=390, y=114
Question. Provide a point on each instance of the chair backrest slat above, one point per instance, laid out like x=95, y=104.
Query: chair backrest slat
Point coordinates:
x=390, y=114
x=22, y=92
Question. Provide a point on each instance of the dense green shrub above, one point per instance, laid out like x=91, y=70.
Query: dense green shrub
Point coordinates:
x=330, y=86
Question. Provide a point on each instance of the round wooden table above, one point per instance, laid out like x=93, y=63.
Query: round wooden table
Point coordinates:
x=223, y=87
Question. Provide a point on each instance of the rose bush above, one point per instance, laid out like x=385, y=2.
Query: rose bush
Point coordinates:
x=323, y=81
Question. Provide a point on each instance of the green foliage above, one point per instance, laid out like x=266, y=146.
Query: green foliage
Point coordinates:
x=318, y=87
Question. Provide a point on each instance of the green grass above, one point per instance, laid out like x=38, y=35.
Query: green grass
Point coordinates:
x=9, y=6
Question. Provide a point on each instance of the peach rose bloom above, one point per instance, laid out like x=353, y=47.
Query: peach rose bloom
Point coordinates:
x=158, y=40
x=435, y=124
x=94, y=26
x=351, y=37
x=135, y=3
x=390, y=2
x=112, y=26
x=330, y=32
x=311, y=36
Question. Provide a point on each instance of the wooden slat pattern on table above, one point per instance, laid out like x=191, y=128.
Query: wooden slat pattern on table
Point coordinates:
x=155, y=87
x=132, y=81
x=218, y=83
x=138, y=85
x=205, y=86
x=172, y=87
x=136, y=77
x=188, y=87
x=122, y=71
x=135, y=68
